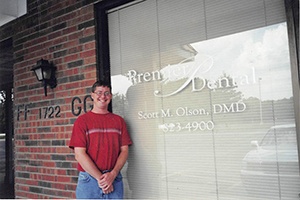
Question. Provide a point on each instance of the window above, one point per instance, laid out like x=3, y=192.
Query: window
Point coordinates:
x=197, y=83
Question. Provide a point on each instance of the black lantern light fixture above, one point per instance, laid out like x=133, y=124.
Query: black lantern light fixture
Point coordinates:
x=45, y=72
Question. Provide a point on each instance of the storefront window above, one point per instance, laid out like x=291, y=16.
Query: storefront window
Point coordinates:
x=206, y=90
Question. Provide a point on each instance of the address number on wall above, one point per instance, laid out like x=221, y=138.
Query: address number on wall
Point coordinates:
x=49, y=112
x=78, y=106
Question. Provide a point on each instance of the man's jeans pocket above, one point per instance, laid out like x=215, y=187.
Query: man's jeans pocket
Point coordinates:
x=87, y=187
x=84, y=177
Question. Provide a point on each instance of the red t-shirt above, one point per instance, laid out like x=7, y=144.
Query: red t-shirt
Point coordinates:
x=102, y=135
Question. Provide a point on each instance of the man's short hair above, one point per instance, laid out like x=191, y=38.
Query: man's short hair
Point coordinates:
x=101, y=83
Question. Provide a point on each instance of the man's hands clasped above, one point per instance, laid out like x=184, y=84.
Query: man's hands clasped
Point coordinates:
x=105, y=182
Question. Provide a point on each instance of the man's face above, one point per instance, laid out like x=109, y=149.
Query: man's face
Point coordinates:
x=101, y=97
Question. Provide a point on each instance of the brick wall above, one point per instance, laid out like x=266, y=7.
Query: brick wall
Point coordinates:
x=61, y=31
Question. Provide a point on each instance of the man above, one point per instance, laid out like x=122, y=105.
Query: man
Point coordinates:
x=100, y=141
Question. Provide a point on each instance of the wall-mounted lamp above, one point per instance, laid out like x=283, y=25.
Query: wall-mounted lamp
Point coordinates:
x=45, y=72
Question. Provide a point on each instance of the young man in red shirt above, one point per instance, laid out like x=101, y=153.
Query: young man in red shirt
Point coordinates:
x=100, y=141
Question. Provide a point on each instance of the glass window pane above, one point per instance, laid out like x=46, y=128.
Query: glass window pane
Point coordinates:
x=205, y=87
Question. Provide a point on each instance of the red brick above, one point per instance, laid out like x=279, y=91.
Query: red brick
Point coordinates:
x=64, y=179
x=70, y=58
x=88, y=53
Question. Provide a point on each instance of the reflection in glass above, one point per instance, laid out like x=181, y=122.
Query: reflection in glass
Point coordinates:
x=193, y=123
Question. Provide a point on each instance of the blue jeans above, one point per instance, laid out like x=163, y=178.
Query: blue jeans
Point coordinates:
x=88, y=188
